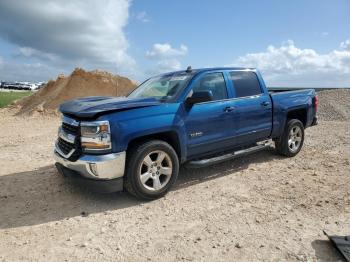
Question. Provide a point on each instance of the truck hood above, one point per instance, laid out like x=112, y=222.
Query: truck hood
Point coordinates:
x=89, y=107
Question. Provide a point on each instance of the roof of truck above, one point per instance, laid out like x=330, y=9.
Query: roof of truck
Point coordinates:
x=222, y=68
x=199, y=70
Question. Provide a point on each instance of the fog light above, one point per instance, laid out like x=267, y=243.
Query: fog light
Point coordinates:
x=93, y=168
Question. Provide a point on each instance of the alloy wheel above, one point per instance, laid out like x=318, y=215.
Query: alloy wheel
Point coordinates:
x=155, y=170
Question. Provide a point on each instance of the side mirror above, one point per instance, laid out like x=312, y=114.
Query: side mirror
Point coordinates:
x=200, y=97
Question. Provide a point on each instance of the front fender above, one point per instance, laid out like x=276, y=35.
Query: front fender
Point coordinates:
x=129, y=125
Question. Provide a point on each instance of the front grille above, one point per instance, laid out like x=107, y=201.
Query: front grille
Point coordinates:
x=74, y=130
x=65, y=146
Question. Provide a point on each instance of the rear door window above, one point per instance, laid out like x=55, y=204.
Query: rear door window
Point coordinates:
x=245, y=83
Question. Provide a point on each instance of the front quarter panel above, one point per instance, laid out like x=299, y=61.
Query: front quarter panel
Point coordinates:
x=130, y=124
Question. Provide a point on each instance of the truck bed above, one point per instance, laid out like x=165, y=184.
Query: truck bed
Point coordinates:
x=285, y=101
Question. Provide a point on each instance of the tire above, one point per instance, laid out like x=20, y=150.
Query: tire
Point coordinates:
x=151, y=169
x=293, y=132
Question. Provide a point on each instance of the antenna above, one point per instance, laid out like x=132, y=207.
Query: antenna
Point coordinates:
x=189, y=69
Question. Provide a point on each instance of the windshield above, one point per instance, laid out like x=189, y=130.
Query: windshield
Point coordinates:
x=163, y=88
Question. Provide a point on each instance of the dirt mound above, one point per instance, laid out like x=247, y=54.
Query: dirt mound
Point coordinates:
x=334, y=105
x=79, y=84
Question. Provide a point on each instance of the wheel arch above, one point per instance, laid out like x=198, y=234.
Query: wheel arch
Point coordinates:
x=300, y=114
x=171, y=137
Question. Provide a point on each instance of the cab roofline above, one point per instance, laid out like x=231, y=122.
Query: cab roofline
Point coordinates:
x=200, y=70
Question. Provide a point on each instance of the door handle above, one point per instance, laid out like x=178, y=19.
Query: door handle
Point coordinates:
x=229, y=108
x=265, y=103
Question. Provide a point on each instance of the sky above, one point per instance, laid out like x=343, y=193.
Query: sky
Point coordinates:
x=301, y=43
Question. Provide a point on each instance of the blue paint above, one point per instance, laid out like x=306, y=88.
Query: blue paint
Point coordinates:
x=201, y=129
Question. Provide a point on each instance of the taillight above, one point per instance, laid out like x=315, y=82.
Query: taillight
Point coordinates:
x=316, y=102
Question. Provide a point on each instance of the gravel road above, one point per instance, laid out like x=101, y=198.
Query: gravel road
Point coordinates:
x=260, y=207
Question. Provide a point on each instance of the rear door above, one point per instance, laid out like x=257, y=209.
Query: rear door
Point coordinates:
x=209, y=124
x=253, y=108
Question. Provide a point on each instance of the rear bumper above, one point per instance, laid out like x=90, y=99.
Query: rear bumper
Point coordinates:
x=314, y=121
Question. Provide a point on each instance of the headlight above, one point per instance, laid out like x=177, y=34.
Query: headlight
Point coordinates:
x=95, y=136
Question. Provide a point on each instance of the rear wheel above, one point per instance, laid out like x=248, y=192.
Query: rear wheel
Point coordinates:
x=292, y=139
x=152, y=169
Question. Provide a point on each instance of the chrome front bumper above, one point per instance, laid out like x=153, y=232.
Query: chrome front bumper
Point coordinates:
x=98, y=167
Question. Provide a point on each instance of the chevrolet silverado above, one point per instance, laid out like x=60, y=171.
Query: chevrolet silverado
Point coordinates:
x=195, y=117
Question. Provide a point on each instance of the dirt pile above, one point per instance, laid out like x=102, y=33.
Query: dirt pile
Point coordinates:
x=334, y=105
x=79, y=84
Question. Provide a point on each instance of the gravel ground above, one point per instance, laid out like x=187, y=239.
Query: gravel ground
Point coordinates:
x=260, y=207
x=334, y=104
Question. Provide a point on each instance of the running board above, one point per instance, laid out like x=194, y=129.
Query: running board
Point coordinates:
x=218, y=159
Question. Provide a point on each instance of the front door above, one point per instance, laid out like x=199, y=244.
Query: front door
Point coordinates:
x=208, y=124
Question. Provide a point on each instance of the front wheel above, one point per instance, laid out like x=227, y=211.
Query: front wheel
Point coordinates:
x=292, y=139
x=152, y=169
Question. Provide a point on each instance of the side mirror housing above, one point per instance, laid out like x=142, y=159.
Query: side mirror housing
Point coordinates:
x=200, y=97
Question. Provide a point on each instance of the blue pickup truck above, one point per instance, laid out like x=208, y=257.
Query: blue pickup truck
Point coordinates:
x=196, y=117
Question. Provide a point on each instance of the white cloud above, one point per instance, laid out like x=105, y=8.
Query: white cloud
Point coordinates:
x=143, y=17
x=345, y=45
x=31, y=52
x=84, y=33
x=166, y=56
x=169, y=65
x=289, y=65
x=27, y=51
x=160, y=51
x=10, y=71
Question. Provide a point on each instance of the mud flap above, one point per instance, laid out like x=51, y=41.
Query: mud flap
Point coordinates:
x=342, y=244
